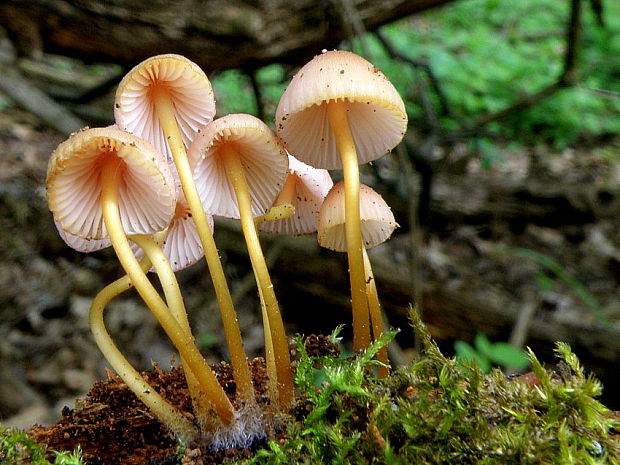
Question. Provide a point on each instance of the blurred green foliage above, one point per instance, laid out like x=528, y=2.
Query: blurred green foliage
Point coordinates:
x=486, y=54
x=488, y=354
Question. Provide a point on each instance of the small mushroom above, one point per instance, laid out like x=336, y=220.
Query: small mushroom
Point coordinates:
x=239, y=167
x=304, y=191
x=377, y=225
x=339, y=111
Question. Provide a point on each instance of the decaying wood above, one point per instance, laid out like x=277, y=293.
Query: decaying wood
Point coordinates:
x=216, y=34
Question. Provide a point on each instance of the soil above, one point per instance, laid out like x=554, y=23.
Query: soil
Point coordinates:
x=113, y=427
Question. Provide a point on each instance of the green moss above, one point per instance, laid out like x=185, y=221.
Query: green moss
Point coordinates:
x=440, y=411
x=17, y=448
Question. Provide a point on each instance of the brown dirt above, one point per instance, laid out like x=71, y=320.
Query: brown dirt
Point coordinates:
x=113, y=427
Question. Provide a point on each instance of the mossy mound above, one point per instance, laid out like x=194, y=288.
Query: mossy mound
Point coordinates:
x=438, y=411
x=442, y=411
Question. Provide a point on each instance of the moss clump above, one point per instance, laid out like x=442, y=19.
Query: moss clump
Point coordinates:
x=17, y=448
x=440, y=411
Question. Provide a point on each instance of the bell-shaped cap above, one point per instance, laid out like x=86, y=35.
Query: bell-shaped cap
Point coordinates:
x=188, y=88
x=375, y=110
x=264, y=161
x=182, y=246
x=311, y=185
x=377, y=219
x=80, y=244
x=147, y=194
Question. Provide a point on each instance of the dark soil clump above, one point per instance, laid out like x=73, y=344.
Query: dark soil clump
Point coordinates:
x=113, y=427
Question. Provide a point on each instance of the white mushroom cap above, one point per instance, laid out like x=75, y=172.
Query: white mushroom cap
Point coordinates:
x=188, y=87
x=375, y=110
x=262, y=156
x=182, y=245
x=146, y=188
x=377, y=219
x=80, y=244
x=311, y=187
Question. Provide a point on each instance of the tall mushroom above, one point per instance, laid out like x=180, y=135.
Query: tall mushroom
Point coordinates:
x=105, y=183
x=166, y=99
x=377, y=225
x=239, y=168
x=339, y=111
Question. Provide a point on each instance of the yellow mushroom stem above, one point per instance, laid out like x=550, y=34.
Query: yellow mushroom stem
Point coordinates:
x=338, y=121
x=282, y=207
x=375, y=316
x=160, y=407
x=235, y=172
x=174, y=299
x=270, y=362
x=110, y=176
x=238, y=358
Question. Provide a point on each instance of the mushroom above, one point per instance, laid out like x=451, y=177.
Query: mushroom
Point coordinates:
x=377, y=225
x=338, y=111
x=239, y=168
x=304, y=191
x=162, y=409
x=105, y=183
x=167, y=99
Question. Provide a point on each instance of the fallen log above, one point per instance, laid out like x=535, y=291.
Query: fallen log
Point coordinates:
x=216, y=34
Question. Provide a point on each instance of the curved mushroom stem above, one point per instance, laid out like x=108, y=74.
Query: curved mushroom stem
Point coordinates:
x=161, y=408
x=175, y=303
x=111, y=216
x=277, y=212
x=337, y=116
x=375, y=316
x=235, y=172
x=238, y=358
x=282, y=207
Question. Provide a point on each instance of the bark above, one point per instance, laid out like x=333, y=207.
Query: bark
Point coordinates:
x=217, y=34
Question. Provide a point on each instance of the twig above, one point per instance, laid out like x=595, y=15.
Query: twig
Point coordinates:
x=568, y=76
x=352, y=22
x=518, y=336
x=258, y=94
x=435, y=84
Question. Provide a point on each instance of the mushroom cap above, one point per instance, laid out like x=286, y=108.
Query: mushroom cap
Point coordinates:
x=377, y=219
x=80, y=244
x=311, y=187
x=188, y=87
x=182, y=245
x=263, y=158
x=146, y=188
x=376, y=112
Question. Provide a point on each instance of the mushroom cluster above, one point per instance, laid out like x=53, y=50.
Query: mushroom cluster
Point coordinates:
x=150, y=185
